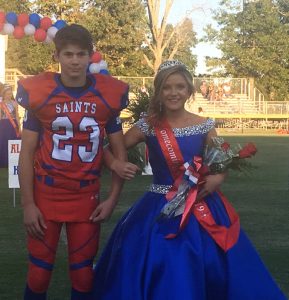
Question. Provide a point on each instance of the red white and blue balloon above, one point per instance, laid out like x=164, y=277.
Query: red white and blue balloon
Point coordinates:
x=41, y=28
x=98, y=65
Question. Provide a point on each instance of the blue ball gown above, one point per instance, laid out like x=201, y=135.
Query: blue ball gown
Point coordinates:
x=138, y=263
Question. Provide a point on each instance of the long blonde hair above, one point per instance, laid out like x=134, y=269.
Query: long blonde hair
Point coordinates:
x=155, y=111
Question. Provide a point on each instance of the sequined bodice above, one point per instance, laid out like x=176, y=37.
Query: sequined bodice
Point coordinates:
x=190, y=140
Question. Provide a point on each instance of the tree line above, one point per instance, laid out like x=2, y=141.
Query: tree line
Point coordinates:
x=135, y=36
x=130, y=41
x=253, y=37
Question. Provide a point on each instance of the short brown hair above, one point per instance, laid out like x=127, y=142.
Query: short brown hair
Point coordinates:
x=73, y=34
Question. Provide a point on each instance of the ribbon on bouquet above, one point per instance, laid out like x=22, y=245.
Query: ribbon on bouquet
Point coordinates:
x=225, y=237
x=192, y=174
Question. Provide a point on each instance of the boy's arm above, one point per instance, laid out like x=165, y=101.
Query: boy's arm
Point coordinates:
x=118, y=145
x=33, y=219
x=123, y=169
x=105, y=208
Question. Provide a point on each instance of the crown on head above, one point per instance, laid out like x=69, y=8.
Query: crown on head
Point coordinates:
x=169, y=64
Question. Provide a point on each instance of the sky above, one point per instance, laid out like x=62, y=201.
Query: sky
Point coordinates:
x=200, y=13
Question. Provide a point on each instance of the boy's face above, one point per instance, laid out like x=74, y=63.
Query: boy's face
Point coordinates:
x=73, y=61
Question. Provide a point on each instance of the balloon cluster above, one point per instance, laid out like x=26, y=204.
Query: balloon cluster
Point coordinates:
x=43, y=30
x=23, y=24
x=98, y=65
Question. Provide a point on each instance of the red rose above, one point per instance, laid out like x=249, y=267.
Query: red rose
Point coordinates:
x=248, y=151
x=225, y=146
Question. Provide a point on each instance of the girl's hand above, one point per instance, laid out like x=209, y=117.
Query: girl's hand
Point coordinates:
x=124, y=170
x=211, y=184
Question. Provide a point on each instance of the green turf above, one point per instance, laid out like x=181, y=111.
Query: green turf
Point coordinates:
x=261, y=198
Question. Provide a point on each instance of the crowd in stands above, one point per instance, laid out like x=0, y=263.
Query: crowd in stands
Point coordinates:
x=213, y=92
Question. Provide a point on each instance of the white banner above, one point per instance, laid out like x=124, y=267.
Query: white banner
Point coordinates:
x=14, y=147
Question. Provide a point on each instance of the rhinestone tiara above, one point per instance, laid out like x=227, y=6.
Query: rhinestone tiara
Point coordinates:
x=169, y=64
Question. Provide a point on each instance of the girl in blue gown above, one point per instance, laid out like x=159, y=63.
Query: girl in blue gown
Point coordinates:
x=140, y=262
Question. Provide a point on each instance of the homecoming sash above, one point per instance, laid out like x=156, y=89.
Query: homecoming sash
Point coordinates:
x=225, y=237
x=12, y=121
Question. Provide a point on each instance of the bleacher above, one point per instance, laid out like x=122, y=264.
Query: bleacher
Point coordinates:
x=246, y=107
x=236, y=104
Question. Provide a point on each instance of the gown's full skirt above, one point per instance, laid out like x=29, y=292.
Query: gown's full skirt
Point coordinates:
x=139, y=263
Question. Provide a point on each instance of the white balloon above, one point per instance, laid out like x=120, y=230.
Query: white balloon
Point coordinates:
x=51, y=31
x=94, y=68
x=103, y=65
x=48, y=39
x=7, y=28
x=29, y=29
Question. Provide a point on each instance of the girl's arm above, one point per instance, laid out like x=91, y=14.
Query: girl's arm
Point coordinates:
x=212, y=182
x=125, y=170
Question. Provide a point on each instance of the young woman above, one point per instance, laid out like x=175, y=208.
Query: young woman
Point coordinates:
x=199, y=254
x=9, y=123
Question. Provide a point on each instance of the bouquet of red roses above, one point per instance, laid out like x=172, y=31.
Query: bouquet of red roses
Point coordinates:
x=220, y=156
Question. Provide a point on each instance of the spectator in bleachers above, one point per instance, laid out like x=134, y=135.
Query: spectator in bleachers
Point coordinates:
x=204, y=89
x=200, y=111
x=227, y=89
x=220, y=92
x=211, y=94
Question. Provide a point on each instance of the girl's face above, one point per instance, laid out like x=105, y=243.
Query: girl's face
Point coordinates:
x=8, y=95
x=175, y=92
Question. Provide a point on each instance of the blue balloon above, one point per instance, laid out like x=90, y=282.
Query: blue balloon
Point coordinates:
x=11, y=18
x=34, y=20
x=104, y=72
x=59, y=24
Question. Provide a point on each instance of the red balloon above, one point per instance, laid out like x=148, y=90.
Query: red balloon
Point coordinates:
x=23, y=19
x=45, y=23
x=2, y=17
x=18, y=32
x=96, y=57
x=40, y=35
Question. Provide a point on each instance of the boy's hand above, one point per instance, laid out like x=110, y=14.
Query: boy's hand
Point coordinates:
x=103, y=211
x=34, y=221
x=124, y=170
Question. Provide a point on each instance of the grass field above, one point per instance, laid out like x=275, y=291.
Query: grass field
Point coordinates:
x=261, y=199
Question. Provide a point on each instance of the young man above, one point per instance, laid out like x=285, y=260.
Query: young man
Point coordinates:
x=67, y=116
